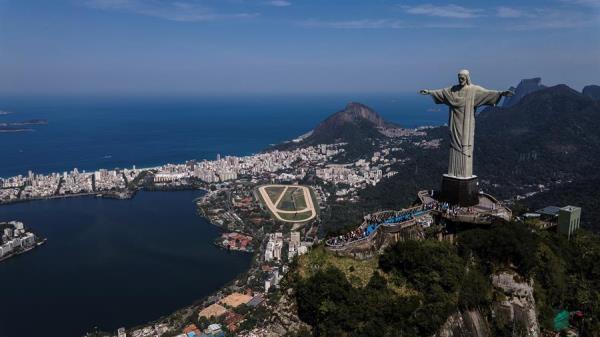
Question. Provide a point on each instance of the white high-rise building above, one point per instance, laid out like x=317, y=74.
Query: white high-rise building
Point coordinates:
x=295, y=239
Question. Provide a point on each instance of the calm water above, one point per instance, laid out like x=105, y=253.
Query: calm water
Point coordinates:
x=110, y=263
x=96, y=132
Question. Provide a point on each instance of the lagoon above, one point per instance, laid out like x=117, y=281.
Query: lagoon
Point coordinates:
x=110, y=263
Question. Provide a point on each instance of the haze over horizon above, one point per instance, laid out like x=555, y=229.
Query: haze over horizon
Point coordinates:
x=291, y=46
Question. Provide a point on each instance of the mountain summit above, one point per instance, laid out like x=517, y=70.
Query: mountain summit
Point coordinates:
x=344, y=124
x=592, y=91
x=352, y=113
x=525, y=87
x=356, y=123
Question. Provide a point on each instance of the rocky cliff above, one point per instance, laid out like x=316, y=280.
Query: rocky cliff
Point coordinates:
x=519, y=305
x=284, y=320
x=465, y=324
x=517, y=310
x=524, y=88
x=592, y=91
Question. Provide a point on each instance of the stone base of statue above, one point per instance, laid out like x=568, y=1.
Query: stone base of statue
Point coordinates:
x=460, y=191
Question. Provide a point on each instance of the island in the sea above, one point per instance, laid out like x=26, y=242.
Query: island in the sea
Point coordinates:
x=21, y=126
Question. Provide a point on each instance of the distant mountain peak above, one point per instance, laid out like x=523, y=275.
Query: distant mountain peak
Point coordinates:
x=356, y=106
x=356, y=124
x=351, y=105
x=353, y=112
x=592, y=91
x=545, y=106
x=550, y=94
x=563, y=88
x=524, y=88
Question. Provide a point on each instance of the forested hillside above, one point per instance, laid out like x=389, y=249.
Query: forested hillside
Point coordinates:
x=415, y=286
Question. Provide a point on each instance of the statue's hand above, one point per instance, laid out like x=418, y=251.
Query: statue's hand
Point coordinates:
x=424, y=92
x=508, y=93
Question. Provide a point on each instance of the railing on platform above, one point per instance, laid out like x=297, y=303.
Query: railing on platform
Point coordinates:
x=400, y=218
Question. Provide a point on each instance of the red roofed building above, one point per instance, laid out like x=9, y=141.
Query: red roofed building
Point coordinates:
x=232, y=319
x=192, y=328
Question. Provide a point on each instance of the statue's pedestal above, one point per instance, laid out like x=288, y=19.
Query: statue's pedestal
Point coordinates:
x=460, y=191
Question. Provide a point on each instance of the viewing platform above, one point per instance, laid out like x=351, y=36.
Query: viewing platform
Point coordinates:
x=380, y=228
x=484, y=212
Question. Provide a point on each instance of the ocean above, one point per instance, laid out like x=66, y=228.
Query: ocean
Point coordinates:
x=89, y=133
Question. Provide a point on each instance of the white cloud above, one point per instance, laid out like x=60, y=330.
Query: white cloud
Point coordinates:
x=354, y=24
x=280, y=3
x=588, y=3
x=111, y=4
x=544, y=18
x=508, y=12
x=378, y=24
x=187, y=11
x=446, y=11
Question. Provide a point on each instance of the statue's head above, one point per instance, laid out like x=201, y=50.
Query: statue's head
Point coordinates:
x=464, y=78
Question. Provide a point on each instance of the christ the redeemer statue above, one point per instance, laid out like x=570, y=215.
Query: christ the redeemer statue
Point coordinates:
x=463, y=100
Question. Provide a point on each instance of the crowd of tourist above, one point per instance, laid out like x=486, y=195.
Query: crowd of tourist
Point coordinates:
x=388, y=218
x=376, y=220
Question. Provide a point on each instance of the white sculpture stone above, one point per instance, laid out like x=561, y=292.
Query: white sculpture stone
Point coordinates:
x=463, y=100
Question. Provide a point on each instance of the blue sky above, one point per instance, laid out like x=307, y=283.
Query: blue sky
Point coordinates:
x=291, y=46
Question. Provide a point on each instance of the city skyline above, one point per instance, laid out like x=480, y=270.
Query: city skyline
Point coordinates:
x=282, y=47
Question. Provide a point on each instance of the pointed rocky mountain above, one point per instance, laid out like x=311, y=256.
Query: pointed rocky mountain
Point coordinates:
x=356, y=122
x=524, y=88
x=592, y=91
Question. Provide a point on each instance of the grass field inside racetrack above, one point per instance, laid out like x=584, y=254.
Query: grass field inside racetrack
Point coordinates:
x=289, y=203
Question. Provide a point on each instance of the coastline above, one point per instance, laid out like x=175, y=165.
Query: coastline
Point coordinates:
x=130, y=194
x=119, y=195
x=229, y=213
x=28, y=249
x=66, y=196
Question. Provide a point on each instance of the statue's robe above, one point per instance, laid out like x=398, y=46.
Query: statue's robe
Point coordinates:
x=462, y=102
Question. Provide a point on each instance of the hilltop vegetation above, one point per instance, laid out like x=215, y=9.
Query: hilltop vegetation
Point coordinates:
x=356, y=124
x=439, y=278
